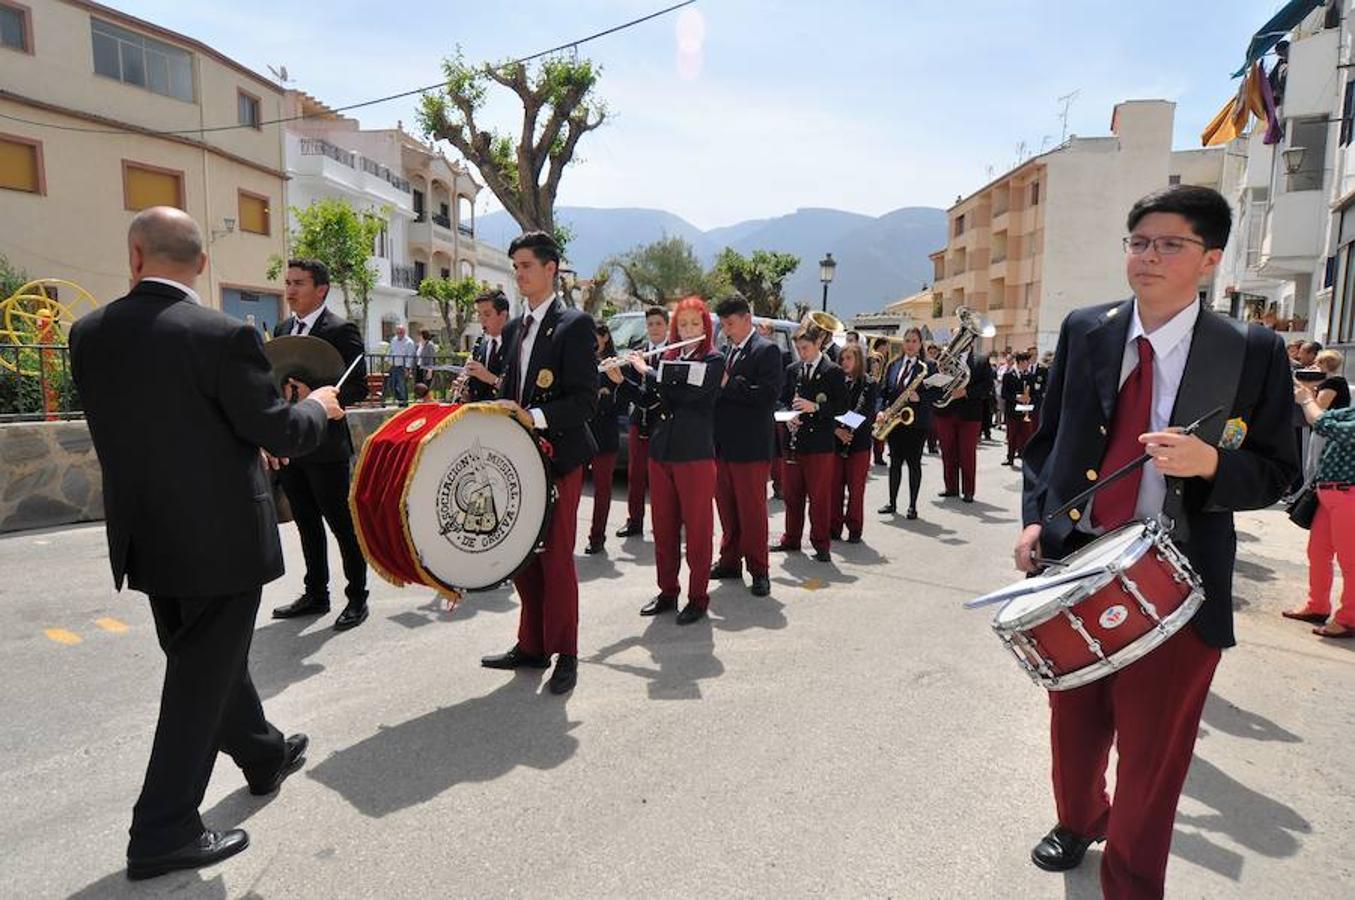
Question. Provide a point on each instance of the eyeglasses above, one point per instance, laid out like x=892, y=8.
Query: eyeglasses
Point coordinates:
x=1168, y=245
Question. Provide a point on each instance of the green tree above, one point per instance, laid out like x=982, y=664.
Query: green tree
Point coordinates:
x=760, y=277
x=662, y=272
x=523, y=171
x=343, y=238
x=454, y=298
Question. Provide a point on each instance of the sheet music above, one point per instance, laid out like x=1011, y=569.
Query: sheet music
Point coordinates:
x=785, y=415
x=940, y=379
x=851, y=419
x=696, y=373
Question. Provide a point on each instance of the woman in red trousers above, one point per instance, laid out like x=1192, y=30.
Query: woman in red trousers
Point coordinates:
x=681, y=455
x=605, y=435
x=854, y=447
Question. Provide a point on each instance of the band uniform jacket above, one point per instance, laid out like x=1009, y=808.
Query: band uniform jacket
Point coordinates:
x=603, y=423
x=970, y=407
x=896, y=380
x=476, y=389
x=745, y=430
x=828, y=388
x=562, y=381
x=639, y=413
x=863, y=396
x=345, y=337
x=682, y=423
x=179, y=399
x=1014, y=383
x=1244, y=369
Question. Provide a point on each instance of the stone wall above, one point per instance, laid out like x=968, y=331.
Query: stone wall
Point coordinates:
x=49, y=474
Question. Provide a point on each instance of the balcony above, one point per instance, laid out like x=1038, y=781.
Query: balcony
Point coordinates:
x=465, y=229
x=444, y=221
x=318, y=158
x=404, y=277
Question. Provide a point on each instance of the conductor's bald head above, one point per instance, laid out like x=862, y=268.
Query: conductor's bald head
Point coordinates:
x=164, y=242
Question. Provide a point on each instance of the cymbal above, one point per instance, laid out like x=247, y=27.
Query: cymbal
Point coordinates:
x=310, y=360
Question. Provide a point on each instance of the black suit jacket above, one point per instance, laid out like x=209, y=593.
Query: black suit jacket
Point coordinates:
x=562, y=381
x=828, y=388
x=863, y=396
x=1244, y=369
x=640, y=415
x=889, y=392
x=179, y=399
x=682, y=417
x=744, y=428
x=1013, y=383
x=603, y=424
x=345, y=337
x=476, y=389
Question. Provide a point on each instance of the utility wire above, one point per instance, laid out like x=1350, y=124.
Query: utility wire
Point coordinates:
x=420, y=90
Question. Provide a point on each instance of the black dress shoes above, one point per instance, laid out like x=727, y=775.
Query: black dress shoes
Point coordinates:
x=912, y=513
x=209, y=847
x=630, y=529
x=723, y=573
x=1061, y=850
x=593, y=548
x=949, y=494
x=660, y=604
x=353, y=615
x=515, y=659
x=762, y=585
x=853, y=538
x=691, y=613
x=293, y=758
x=784, y=548
x=566, y=674
x=305, y=605
x=968, y=498
x=822, y=556
x=888, y=510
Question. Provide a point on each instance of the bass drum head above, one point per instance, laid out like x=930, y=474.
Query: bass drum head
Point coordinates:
x=478, y=500
x=1031, y=608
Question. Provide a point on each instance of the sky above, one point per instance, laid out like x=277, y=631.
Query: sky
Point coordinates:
x=733, y=109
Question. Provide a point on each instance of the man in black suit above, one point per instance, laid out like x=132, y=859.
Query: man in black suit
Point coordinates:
x=316, y=484
x=485, y=370
x=639, y=425
x=745, y=443
x=1123, y=373
x=1016, y=384
x=179, y=399
x=550, y=384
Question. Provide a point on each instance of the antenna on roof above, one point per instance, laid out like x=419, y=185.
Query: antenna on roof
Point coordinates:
x=280, y=73
x=1067, y=101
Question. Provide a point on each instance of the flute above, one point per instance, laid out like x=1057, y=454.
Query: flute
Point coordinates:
x=616, y=362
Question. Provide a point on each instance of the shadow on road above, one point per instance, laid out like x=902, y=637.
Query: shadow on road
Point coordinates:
x=807, y=572
x=176, y=884
x=682, y=656
x=735, y=609
x=925, y=528
x=480, y=739
x=278, y=653
x=976, y=510
x=1234, y=720
x=1084, y=882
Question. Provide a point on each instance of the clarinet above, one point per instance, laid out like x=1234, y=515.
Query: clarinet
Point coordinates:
x=800, y=382
x=845, y=450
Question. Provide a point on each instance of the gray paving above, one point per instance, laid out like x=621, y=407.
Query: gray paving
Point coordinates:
x=857, y=734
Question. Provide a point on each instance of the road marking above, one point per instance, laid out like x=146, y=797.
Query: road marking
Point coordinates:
x=813, y=584
x=111, y=625
x=62, y=636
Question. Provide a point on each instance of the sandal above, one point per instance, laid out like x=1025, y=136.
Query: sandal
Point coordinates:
x=1333, y=630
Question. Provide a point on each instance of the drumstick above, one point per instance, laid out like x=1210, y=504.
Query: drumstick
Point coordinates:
x=351, y=366
x=1029, y=586
x=1125, y=469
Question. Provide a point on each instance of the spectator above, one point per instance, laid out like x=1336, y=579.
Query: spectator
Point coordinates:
x=426, y=353
x=1331, y=393
x=402, y=353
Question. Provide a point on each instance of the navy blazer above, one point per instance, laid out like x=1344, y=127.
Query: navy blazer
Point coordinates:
x=603, y=424
x=828, y=389
x=1242, y=368
x=562, y=381
x=923, y=409
x=745, y=430
x=345, y=337
x=475, y=388
x=863, y=396
x=179, y=399
x=682, y=420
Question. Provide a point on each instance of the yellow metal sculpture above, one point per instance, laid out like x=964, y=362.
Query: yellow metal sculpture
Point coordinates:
x=34, y=315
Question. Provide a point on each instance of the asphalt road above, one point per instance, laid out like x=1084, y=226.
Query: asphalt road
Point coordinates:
x=857, y=734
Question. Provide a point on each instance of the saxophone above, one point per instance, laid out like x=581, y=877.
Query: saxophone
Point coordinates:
x=900, y=412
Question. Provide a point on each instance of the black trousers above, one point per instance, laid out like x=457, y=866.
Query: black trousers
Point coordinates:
x=208, y=704
x=905, y=446
x=318, y=493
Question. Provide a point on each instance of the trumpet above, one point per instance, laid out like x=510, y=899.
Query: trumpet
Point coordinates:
x=616, y=362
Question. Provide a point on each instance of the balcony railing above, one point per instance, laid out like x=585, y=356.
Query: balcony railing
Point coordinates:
x=321, y=147
x=444, y=221
x=465, y=229
x=420, y=215
x=404, y=277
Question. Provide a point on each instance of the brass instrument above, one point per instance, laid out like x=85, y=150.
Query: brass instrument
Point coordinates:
x=876, y=365
x=900, y=412
x=822, y=328
x=951, y=362
x=1023, y=399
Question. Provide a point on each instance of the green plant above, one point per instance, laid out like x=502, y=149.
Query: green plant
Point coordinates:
x=342, y=237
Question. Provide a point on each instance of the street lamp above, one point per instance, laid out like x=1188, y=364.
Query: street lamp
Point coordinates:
x=1293, y=159
x=826, y=268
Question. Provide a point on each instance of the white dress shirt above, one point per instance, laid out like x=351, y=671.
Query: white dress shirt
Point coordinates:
x=536, y=316
x=307, y=320
x=192, y=294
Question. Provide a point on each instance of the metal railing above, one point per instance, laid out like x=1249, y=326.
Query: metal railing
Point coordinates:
x=404, y=277
x=381, y=383
x=36, y=383
x=440, y=219
x=465, y=229
x=353, y=160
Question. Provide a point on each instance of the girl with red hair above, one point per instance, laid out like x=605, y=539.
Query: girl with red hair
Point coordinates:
x=680, y=393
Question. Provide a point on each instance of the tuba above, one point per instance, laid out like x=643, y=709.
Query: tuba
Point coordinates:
x=951, y=362
x=820, y=327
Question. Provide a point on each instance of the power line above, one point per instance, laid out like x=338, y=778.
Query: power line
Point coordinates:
x=420, y=90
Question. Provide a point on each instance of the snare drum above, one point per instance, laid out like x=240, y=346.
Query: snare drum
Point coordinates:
x=1138, y=590
x=456, y=497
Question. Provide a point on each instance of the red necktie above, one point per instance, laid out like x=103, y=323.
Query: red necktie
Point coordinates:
x=1114, y=506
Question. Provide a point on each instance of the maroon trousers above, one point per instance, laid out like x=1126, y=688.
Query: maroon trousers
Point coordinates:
x=548, y=585
x=879, y=447
x=637, y=476
x=741, y=499
x=682, y=494
x=604, y=466
x=959, y=452
x=810, y=478
x=1019, y=432
x=1151, y=711
x=849, y=491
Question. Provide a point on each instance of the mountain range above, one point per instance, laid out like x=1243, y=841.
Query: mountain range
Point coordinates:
x=879, y=259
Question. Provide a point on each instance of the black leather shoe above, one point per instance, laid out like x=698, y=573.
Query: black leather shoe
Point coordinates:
x=630, y=529
x=660, y=604
x=912, y=513
x=593, y=548
x=1061, y=850
x=784, y=548
x=515, y=659
x=949, y=494
x=722, y=573
x=305, y=605
x=352, y=616
x=209, y=847
x=762, y=585
x=888, y=510
x=691, y=613
x=853, y=538
x=293, y=758
x=822, y=556
x=968, y=498
x=566, y=674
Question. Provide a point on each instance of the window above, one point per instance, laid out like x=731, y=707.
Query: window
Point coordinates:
x=381, y=243
x=1173, y=179
x=16, y=27
x=253, y=213
x=133, y=58
x=1035, y=193
x=420, y=272
x=144, y=185
x=959, y=226
x=418, y=205
x=1311, y=135
x=446, y=274
x=1347, y=113
x=21, y=165
x=248, y=106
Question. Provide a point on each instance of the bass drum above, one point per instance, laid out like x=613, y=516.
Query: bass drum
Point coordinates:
x=456, y=497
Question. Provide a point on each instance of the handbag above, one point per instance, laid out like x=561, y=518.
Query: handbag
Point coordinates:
x=1303, y=507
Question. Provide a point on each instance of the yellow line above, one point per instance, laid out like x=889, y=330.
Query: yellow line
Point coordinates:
x=62, y=636
x=111, y=625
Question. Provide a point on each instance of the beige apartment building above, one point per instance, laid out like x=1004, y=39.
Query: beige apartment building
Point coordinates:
x=106, y=114
x=1044, y=238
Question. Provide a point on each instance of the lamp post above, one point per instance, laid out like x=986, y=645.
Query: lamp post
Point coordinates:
x=827, y=266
